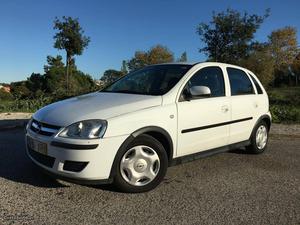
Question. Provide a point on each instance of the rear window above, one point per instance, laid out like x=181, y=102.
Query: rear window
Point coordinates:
x=240, y=83
x=258, y=87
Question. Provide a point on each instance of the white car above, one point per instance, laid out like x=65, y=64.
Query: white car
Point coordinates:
x=130, y=132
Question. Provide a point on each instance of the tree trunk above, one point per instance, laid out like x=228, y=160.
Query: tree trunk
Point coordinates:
x=289, y=79
x=67, y=72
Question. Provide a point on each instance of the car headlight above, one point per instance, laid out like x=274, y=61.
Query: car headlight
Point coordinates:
x=87, y=129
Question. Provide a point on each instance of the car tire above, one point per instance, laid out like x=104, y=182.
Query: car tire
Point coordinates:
x=259, y=138
x=141, y=165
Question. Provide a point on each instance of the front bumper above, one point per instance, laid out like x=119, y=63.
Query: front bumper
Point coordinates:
x=78, y=164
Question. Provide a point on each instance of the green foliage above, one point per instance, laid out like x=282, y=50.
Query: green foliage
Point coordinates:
x=229, y=35
x=20, y=90
x=35, y=83
x=5, y=95
x=25, y=105
x=70, y=36
x=81, y=83
x=285, y=104
x=110, y=76
x=54, y=79
x=39, y=90
x=157, y=54
x=283, y=113
x=285, y=96
x=261, y=63
x=54, y=62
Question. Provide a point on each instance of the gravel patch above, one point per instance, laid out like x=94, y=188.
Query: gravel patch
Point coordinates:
x=285, y=129
x=15, y=116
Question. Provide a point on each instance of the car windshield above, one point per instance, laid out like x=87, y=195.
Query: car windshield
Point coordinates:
x=151, y=80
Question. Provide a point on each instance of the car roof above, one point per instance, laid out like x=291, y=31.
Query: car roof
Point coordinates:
x=204, y=63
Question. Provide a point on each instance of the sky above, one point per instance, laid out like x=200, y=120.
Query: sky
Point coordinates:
x=117, y=29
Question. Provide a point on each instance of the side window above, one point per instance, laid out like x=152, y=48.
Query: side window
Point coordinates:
x=211, y=77
x=258, y=87
x=239, y=82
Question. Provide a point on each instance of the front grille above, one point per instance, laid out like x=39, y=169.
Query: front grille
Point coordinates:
x=42, y=159
x=43, y=128
x=74, y=166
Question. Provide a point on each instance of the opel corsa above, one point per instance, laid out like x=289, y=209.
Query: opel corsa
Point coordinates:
x=131, y=131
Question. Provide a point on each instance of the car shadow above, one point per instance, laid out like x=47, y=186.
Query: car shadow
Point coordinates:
x=239, y=151
x=15, y=164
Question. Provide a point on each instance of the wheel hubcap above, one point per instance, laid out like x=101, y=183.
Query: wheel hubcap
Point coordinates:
x=139, y=165
x=261, y=137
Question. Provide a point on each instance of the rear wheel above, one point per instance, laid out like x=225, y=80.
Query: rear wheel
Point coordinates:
x=141, y=166
x=259, y=138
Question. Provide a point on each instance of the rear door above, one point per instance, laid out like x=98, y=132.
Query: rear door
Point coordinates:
x=243, y=103
x=201, y=121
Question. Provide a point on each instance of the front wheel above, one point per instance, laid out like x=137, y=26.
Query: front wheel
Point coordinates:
x=141, y=166
x=259, y=138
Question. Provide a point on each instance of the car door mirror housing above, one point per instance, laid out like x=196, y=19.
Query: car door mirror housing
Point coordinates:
x=199, y=92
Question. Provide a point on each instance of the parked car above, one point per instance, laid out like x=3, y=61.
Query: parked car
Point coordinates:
x=130, y=132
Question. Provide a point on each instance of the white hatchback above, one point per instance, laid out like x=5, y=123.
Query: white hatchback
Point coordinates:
x=130, y=132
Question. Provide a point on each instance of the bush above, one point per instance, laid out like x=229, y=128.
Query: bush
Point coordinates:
x=25, y=105
x=5, y=95
x=285, y=96
x=284, y=113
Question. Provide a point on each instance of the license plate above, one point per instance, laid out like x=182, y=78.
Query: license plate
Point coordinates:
x=37, y=146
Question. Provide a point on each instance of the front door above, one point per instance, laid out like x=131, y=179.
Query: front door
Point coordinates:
x=202, y=123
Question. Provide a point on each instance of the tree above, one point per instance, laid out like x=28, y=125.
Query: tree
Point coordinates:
x=296, y=68
x=71, y=38
x=54, y=82
x=111, y=75
x=283, y=43
x=124, y=67
x=139, y=60
x=183, y=57
x=36, y=82
x=4, y=95
x=229, y=35
x=261, y=63
x=19, y=90
x=53, y=62
x=157, y=54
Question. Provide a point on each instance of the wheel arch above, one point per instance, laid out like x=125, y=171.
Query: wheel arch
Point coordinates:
x=266, y=118
x=158, y=133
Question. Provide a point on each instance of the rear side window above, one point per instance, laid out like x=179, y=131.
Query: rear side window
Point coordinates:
x=258, y=88
x=211, y=77
x=239, y=82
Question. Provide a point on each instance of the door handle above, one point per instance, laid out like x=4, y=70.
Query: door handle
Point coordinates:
x=225, y=108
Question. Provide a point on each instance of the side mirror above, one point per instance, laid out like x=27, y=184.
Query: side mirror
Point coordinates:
x=199, y=91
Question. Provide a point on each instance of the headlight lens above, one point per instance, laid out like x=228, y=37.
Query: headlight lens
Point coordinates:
x=87, y=129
